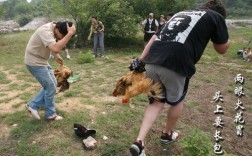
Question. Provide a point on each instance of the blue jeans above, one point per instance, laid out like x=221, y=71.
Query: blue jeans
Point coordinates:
x=99, y=38
x=45, y=97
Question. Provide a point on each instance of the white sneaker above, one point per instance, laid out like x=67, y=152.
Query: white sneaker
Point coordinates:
x=54, y=117
x=68, y=57
x=33, y=112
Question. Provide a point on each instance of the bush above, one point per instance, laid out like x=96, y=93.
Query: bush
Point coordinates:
x=85, y=58
x=23, y=20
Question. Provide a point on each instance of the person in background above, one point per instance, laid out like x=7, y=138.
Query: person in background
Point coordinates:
x=161, y=21
x=168, y=16
x=150, y=27
x=48, y=39
x=67, y=53
x=170, y=57
x=97, y=28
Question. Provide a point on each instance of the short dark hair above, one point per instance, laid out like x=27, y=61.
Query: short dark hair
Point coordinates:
x=95, y=17
x=170, y=14
x=215, y=5
x=62, y=26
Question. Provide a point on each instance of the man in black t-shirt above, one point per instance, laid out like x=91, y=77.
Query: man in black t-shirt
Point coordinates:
x=170, y=57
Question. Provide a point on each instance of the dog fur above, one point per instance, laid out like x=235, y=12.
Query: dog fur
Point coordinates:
x=247, y=54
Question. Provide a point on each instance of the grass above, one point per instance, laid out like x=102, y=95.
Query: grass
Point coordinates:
x=89, y=102
x=197, y=143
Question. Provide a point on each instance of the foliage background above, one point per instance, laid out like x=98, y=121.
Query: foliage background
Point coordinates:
x=122, y=18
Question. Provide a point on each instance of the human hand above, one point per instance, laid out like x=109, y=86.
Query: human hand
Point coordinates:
x=59, y=59
x=71, y=29
x=137, y=65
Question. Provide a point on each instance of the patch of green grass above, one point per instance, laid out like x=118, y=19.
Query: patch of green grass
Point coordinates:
x=197, y=143
x=195, y=85
x=2, y=94
x=26, y=96
x=191, y=105
x=7, y=99
x=85, y=58
x=58, y=99
x=230, y=89
x=112, y=149
x=71, y=93
x=18, y=104
x=3, y=78
x=28, y=149
x=16, y=86
x=16, y=117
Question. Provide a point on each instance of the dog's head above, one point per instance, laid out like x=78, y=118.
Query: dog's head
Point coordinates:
x=246, y=50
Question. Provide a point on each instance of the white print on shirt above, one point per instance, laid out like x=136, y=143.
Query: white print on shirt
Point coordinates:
x=178, y=28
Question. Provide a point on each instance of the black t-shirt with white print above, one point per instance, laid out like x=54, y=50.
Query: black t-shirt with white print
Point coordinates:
x=182, y=40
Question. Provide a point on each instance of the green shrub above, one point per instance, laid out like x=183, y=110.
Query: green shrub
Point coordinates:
x=198, y=143
x=23, y=20
x=85, y=58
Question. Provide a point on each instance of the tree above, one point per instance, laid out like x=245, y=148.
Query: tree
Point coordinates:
x=117, y=15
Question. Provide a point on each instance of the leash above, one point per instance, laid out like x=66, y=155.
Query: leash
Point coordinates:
x=249, y=42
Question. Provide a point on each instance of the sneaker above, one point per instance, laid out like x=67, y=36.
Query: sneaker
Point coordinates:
x=68, y=57
x=54, y=117
x=33, y=112
x=136, y=149
x=94, y=56
x=168, y=138
x=102, y=56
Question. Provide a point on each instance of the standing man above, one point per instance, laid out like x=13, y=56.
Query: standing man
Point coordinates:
x=170, y=58
x=150, y=27
x=49, y=38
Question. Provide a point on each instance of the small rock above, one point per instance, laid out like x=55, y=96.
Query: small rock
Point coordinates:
x=90, y=142
x=15, y=125
x=105, y=137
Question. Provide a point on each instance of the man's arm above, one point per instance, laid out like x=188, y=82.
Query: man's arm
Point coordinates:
x=147, y=48
x=90, y=33
x=221, y=48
